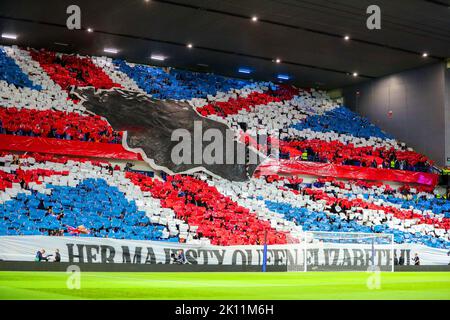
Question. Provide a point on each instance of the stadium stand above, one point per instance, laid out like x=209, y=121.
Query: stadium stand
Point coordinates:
x=177, y=84
x=57, y=124
x=207, y=209
x=70, y=70
x=36, y=100
x=312, y=127
x=83, y=194
x=329, y=205
x=217, y=216
x=11, y=73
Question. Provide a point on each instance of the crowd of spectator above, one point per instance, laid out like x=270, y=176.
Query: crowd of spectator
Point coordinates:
x=217, y=216
x=72, y=70
x=347, y=154
x=297, y=113
x=177, y=84
x=12, y=74
x=41, y=201
x=326, y=204
x=235, y=105
x=57, y=124
x=58, y=196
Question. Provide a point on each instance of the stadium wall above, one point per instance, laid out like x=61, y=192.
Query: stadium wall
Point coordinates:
x=417, y=99
x=107, y=267
x=80, y=250
x=124, y=267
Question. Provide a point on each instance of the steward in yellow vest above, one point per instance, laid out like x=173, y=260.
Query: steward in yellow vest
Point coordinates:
x=392, y=164
x=305, y=155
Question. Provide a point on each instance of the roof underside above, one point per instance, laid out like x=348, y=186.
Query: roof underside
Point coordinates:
x=307, y=35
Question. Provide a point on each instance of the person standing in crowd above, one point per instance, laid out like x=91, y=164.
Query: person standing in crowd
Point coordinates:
x=57, y=256
x=15, y=160
x=40, y=256
x=23, y=184
x=416, y=260
x=49, y=211
x=180, y=258
x=128, y=166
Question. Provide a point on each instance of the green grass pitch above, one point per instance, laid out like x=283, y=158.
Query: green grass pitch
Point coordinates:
x=247, y=286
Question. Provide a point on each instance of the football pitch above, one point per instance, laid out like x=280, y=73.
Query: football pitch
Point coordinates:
x=226, y=286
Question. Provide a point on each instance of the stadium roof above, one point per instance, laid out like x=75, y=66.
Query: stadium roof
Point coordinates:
x=308, y=36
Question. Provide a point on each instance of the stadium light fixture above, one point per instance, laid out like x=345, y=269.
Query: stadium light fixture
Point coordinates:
x=425, y=55
x=277, y=60
x=110, y=50
x=157, y=57
x=9, y=36
x=283, y=77
x=346, y=38
x=355, y=74
x=245, y=70
x=189, y=45
x=254, y=18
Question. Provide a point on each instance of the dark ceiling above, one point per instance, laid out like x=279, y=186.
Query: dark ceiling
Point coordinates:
x=307, y=35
